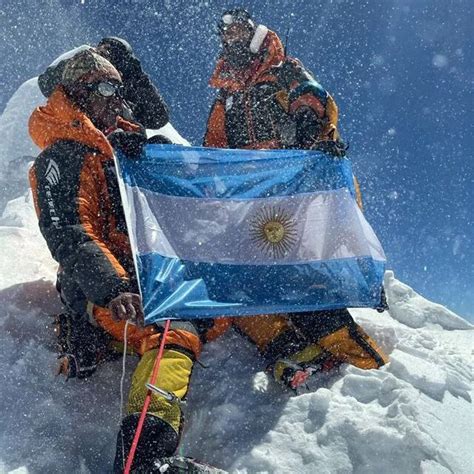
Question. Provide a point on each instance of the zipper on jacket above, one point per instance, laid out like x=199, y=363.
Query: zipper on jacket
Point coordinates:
x=249, y=120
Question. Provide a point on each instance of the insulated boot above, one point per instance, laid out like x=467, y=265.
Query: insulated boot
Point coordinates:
x=81, y=345
x=157, y=440
x=182, y=465
x=295, y=370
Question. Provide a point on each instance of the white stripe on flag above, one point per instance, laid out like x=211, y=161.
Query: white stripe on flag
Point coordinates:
x=282, y=230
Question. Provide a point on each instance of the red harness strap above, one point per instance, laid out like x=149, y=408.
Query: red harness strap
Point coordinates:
x=146, y=404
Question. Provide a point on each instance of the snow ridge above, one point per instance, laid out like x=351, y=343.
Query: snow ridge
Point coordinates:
x=415, y=311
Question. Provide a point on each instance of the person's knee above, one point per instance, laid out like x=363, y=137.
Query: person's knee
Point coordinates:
x=336, y=332
x=263, y=330
x=173, y=377
x=317, y=324
x=352, y=345
x=182, y=334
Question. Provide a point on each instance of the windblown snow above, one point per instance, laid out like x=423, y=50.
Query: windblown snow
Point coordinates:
x=415, y=415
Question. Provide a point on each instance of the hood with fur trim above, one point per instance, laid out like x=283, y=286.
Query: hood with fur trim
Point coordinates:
x=270, y=53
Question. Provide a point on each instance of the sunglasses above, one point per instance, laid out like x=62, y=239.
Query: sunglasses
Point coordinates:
x=106, y=89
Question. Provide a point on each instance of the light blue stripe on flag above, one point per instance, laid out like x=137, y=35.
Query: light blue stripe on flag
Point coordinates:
x=245, y=174
x=239, y=232
x=175, y=288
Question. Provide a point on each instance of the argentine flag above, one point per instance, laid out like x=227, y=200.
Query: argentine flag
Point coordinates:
x=242, y=232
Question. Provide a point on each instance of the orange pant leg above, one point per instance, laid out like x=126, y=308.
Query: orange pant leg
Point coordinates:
x=144, y=339
x=355, y=347
x=221, y=325
x=262, y=329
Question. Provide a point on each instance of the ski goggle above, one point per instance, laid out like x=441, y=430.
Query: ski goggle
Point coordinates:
x=106, y=89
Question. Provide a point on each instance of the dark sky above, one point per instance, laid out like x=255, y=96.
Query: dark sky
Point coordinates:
x=401, y=72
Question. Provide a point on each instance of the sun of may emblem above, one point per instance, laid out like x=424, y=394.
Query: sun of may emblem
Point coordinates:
x=273, y=230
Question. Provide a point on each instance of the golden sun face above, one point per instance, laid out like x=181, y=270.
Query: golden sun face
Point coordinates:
x=274, y=231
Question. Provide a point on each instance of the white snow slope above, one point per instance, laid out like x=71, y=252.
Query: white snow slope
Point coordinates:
x=415, y=415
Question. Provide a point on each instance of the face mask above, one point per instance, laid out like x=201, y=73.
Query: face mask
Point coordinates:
x=238, y=54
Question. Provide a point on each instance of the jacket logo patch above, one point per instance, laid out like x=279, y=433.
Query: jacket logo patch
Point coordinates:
x=52, y=174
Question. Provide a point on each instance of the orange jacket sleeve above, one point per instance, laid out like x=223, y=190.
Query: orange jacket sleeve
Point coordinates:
x=215, y=133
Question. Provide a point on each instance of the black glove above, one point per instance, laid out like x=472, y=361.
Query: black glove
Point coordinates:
x=147, y=105
x=120, y=54
x=129, y=143
x=308, y=126
x=159, y=140
x=335, y=148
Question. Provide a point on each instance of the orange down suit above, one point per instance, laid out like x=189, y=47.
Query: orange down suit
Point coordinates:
x=276, y=103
